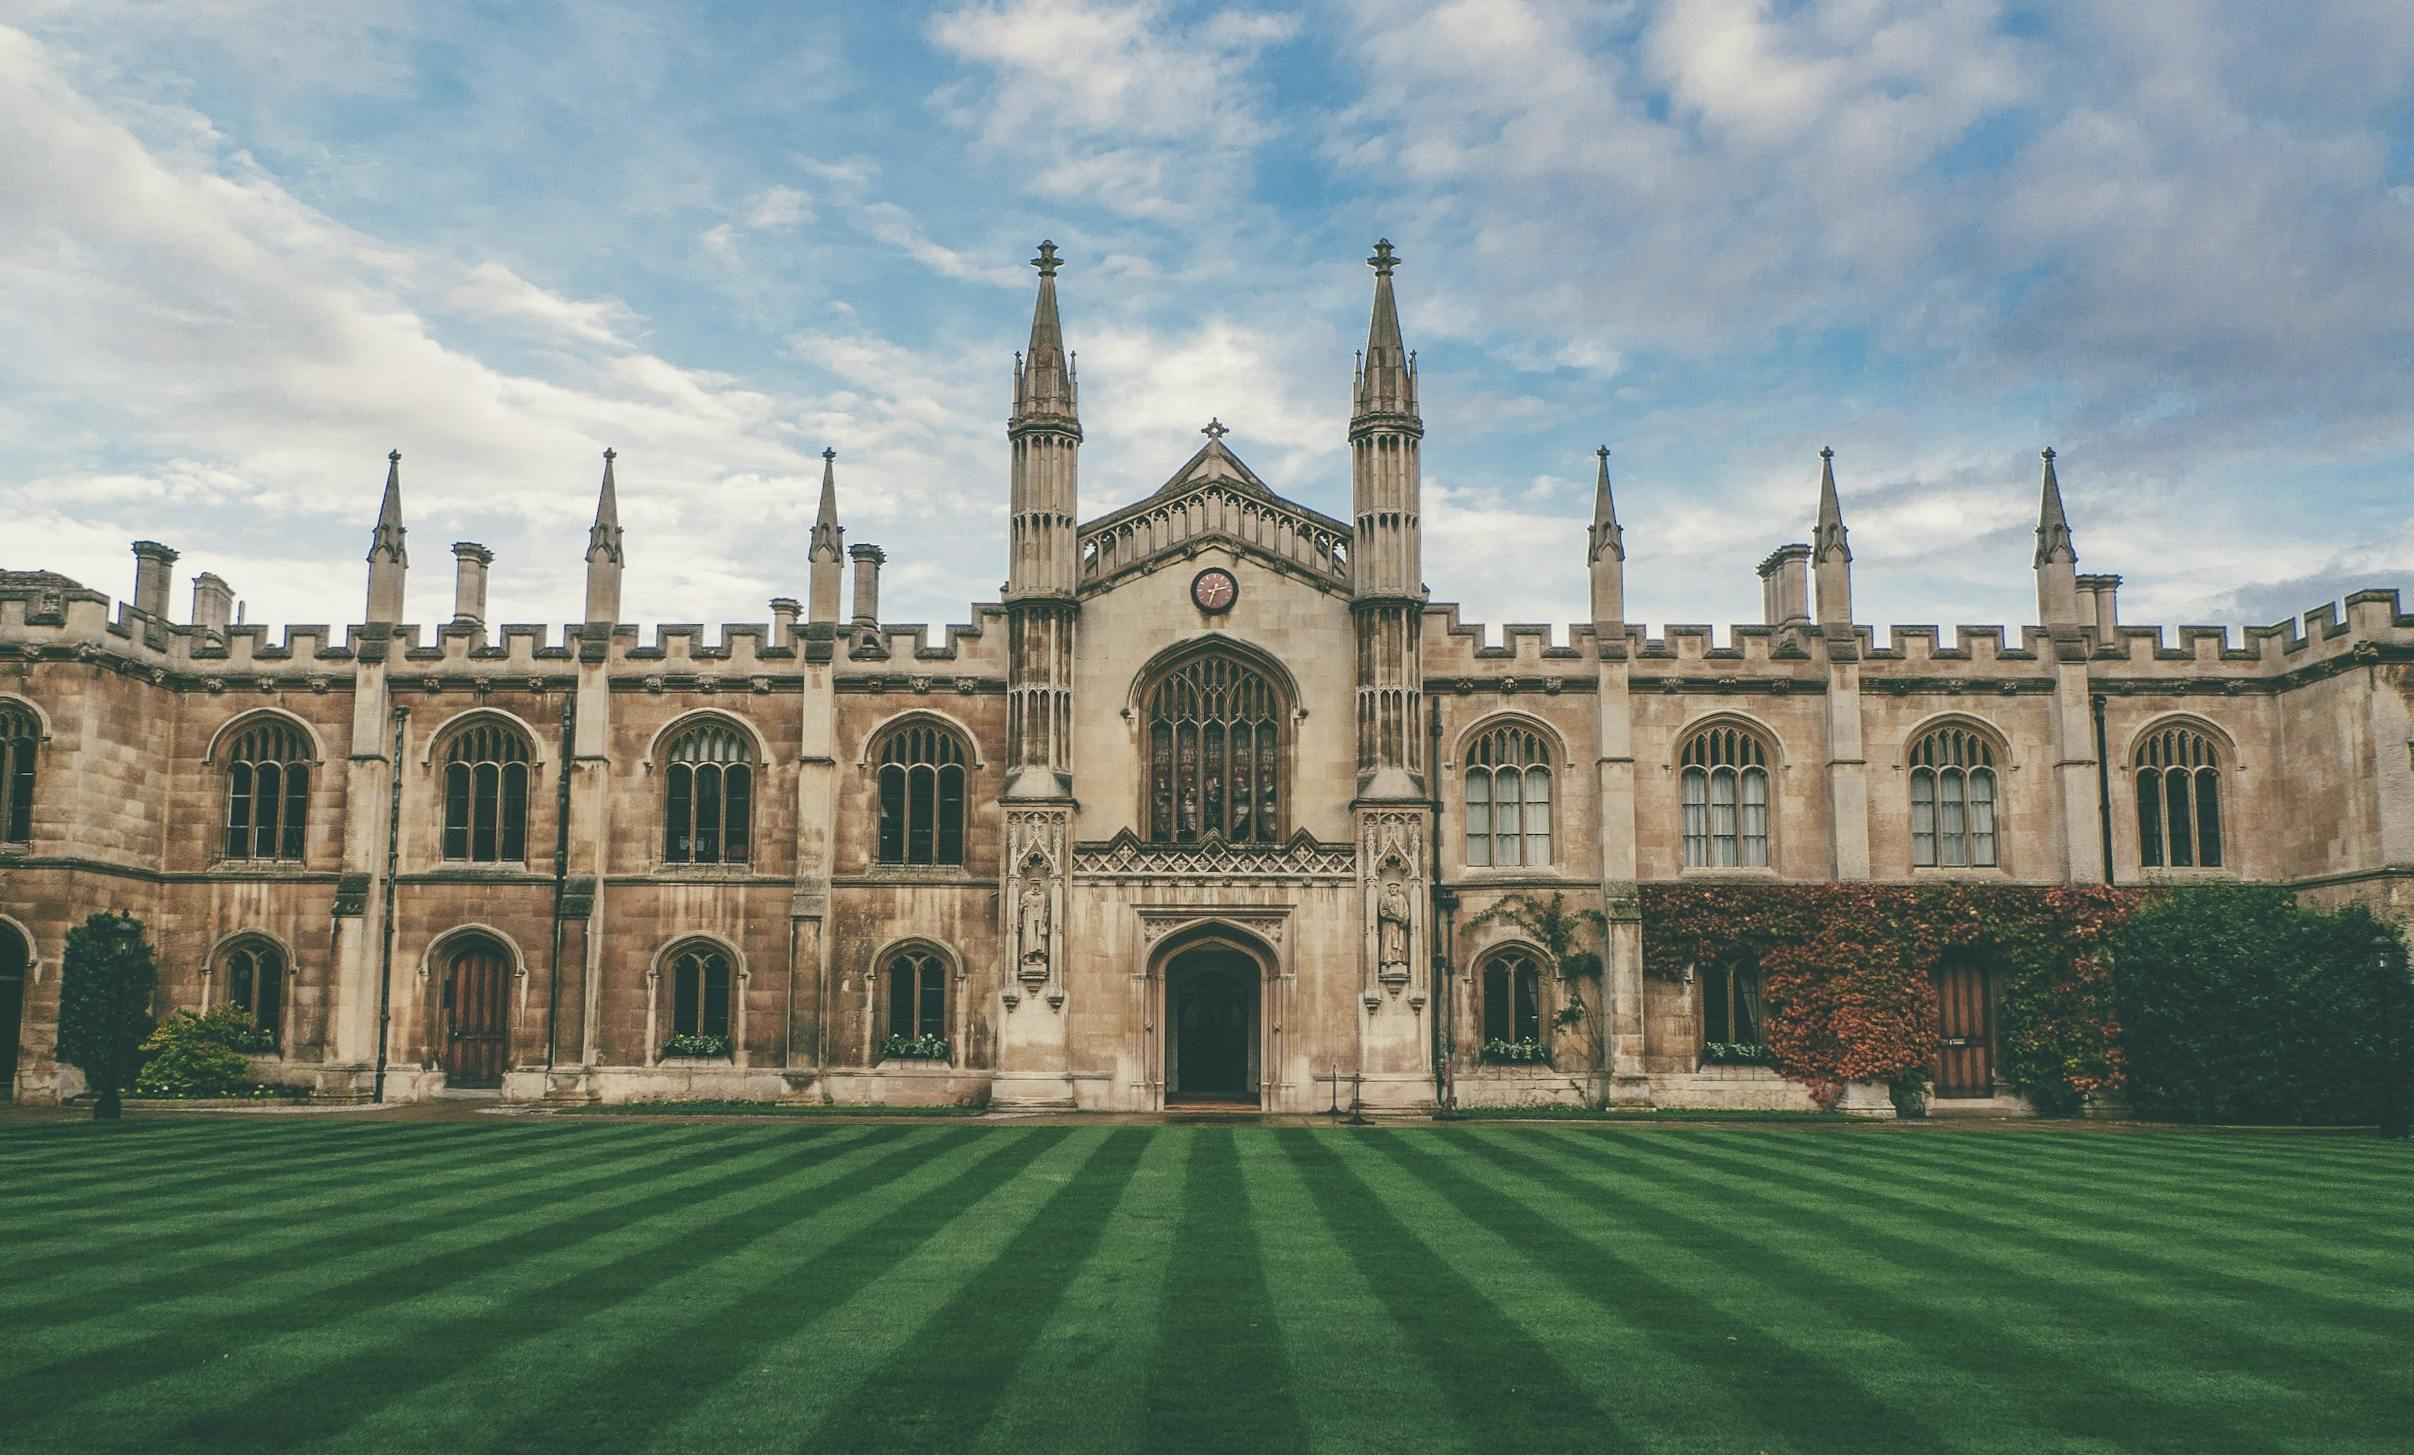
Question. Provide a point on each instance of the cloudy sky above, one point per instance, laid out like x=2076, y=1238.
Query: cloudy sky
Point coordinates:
x=249, y=246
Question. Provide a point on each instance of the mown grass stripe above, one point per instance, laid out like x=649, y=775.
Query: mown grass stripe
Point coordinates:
x=709, y=1345
x=1811, y=1248
x=228, y=1169
x=1744, y=1371
x=522, y=1291
x=952, y=1373
x=1354, y=1369
x=1092, y=1355
x=1219, y=1381
x=2268, y=1163
x=290, y=1311
x=1503, y=1384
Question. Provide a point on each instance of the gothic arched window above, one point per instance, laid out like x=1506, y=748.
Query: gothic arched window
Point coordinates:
x=255, y=984
x=700, y=981
x=917, y=995
x=267, y=791
x=1214, y=753
x=1512, y=997
x=1508, y=799
x=486, y=795
x=922, y=776
x=1726, y=788
x=1953, y=800
x=2179, y=800
x=20, y=734
x=708, y=796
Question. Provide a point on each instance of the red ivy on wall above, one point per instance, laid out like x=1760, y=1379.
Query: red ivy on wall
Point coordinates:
x=1846, y=972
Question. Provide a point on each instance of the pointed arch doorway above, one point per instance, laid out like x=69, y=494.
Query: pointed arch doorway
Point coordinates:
x=1213, y=1023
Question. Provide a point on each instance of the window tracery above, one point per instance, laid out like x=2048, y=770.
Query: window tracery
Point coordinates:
x=1214, y=736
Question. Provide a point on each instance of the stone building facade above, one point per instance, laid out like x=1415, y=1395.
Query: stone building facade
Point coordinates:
x=1211, y=805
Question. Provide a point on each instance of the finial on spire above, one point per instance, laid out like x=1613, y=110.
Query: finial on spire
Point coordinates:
x=610, y=453
x=1214, y=429
x=1047, y=262
x=2047, y=452
x=1384, y=259
x=828, y=453
x=1827, y=452
x=393, y=457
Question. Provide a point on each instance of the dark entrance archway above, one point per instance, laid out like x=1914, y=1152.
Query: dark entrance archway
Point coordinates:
x=16, y=961
x=475, y=1012
x=1211, y=1025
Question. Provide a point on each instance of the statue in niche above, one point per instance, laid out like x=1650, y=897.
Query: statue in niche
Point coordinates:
x=1031, y=921
x=1391, y=932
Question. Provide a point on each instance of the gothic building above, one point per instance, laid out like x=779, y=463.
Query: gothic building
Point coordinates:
x=1208, y=806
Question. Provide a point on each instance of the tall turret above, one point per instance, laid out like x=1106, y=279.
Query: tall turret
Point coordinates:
x=1388, y=599
x=1045, y=432
x=604, y=559
x=1605, y=550
x=387, y=559
x=2057, y=560
x=825, y=556
x=1831, y=558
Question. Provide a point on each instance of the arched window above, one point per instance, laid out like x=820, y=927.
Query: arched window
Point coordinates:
x=922, y=777
x=20, y=734
x=1508, y=799
x=1726, y=786
x=267, y=791
x=1214, y=754
x=700, y=992
x=1512, y=997
x=1732, y=1013
x=2178, y=800
x=486, y=795
x=1953, y=800
x=917, y=995
x=708, y=796
x=255, y=983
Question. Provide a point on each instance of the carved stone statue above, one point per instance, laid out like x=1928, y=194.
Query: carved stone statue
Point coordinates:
x=1031, y=925
x=1391, y=929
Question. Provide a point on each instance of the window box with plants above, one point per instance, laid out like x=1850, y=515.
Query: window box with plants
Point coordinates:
x=696, y=1048
x=1516, y=1053
x=914, y=1048
x=1736, y=1053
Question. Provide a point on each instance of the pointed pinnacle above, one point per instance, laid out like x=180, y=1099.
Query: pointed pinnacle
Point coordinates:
x=1606, y=533
x=2053, y=525
x=1830, y=532
x=604, y=535
x=1047, y=261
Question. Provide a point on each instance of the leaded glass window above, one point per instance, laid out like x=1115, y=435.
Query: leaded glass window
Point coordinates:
x=267, y=792
x=1508, y=799
x=1726, y=799
x=1953, y=800
x=2179, y=800
x=1214, y=728
x=486, y=795
x=20, y=735
x=708, y=796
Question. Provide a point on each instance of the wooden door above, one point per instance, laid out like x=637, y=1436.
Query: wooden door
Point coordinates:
x=14, y=963
x=477, y=1005
x=1965, y=1004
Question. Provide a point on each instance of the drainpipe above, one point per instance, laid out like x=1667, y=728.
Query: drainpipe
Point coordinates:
x=561, y=881
x=385, y=947
x=1445, y=993
x=2103, y=784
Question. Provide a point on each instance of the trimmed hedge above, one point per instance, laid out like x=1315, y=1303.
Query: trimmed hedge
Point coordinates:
x=2239, y=1005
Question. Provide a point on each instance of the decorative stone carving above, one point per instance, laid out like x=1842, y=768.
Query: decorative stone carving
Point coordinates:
x=1033, y=907
x=1031, y=919
x=351, y=896
x=1302, y=859
x=1393, y=932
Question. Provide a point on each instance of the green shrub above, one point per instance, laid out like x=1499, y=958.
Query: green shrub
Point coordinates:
x=2236, y=1004
x=1516, y=1053
x=1736, y=1053
x=695, y=1046
x=914, y=1048
x=105, y=985
x=192, y=1055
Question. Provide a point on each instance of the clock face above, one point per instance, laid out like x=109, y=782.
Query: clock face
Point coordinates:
x=1214, y=589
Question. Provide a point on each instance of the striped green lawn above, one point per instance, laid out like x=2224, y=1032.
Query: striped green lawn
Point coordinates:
x=572, y=1284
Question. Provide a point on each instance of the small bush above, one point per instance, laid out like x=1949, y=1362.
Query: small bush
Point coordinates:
x=914, y=1048
x=105, y=987
x=695, y=1046
x=1516, y=1053
x=193, y=1055
x=2236, y=1004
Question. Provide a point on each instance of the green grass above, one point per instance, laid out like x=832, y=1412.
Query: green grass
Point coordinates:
x=179, y=1284
x=761, y=1109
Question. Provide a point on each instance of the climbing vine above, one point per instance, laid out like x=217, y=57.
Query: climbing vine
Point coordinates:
x=1846, y=972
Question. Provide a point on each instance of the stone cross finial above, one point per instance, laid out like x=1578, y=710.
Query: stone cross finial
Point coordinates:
x=1384, y=259
x=392, y=456
x=1603, y=452
x=610, y=453
x=828, y=453
x=1214, y=429
x=1046, y=261
x=1826, y=452
x=2047, y=452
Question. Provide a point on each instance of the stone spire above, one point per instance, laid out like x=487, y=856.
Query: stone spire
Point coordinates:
x=1605, y=550
x=2057, y=559
x=1386, y=555
x=1387, y=372
x=604, y=558
x=387, y=558
x=1831, y=557
x=1045, y=388
x=825, y=557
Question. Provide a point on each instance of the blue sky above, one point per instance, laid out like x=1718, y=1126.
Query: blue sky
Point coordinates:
x=252, y=246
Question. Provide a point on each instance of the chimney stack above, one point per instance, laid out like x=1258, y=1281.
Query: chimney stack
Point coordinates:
x=784, y=612
x=152, y=562
x=867, y=559
x=2099, y=596
x=470, y=561
x=213, y=603
x=1785, y=585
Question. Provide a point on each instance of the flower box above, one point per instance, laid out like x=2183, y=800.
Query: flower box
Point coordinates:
x=914, y=1048
x=1498, y=1052
x=695, y=1048
x=1736, y=1053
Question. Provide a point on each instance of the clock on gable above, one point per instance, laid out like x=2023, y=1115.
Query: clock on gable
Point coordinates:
x=1213, y=590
